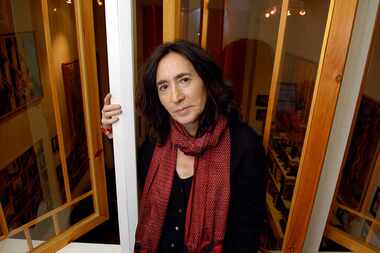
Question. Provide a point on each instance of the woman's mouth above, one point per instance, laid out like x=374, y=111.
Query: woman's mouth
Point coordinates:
x=182, y=110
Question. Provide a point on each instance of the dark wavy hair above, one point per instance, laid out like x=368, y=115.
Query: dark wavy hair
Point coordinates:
x=219, y=93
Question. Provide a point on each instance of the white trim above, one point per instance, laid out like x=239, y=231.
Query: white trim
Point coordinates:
x=119, y=25
x=350, y=87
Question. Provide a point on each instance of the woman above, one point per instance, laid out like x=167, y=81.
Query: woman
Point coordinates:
x=203, y=170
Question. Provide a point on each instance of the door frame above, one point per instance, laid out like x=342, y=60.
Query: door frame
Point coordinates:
x=120, y=21
x=365, y=20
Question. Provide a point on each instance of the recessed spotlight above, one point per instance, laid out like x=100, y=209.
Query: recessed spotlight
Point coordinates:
x=289, y=13
x=69, y=1
x=302, y=12
x=273, y=11
x=267, y=15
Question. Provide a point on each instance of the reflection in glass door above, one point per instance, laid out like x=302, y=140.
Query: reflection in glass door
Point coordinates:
x=300, y=59
x=271, y=49
x=354, y=216
x=51, y=163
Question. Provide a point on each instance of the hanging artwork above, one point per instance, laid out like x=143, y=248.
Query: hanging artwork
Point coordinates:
x=77, y=155
x=21, y=186
x=20, y=82
x=359, y=165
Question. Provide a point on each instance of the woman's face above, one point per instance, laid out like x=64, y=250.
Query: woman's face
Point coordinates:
x=181, y=90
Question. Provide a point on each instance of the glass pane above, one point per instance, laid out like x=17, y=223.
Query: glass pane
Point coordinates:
x=304, y=33
x=67, y=74
x=75, y=213
x=358, y=191
x=242, y=39
x=31, y=173
x=190, y=28
x=42, y=231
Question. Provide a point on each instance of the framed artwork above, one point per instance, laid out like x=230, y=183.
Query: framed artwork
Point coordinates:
x=74, y=101
x=20, y=82
x=21, y=189
x=77, y=157
x=358, y=168
x=375, y=204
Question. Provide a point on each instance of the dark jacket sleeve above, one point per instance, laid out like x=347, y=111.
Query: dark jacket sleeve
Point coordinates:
x=248, y=189
x=144, y=156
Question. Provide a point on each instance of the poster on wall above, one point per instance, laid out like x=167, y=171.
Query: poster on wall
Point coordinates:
x=20, y=83
x=362, y=153
x=24, y=187
x=77, y=155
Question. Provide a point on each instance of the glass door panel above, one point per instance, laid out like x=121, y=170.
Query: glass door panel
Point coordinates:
x=45, y=164
x=355, y=212
x=190, y=20
x=241, y=37
x=66, y=68
x=300, y=58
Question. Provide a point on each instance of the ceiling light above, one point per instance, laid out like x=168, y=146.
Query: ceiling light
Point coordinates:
x=302, y=12
x=273, y=11
x=100, y=2
x=69, y=1
x=267, y=15
x=289, y=13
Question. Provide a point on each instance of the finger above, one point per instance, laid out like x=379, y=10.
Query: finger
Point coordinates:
x=112, y=113
x=109, y=121
x=107, y=99
x=111, y=107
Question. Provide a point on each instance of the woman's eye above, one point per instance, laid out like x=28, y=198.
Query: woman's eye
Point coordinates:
x=184, y=80
x=162, y=87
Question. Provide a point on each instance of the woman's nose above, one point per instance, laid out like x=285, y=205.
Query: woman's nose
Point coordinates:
x=176, y=95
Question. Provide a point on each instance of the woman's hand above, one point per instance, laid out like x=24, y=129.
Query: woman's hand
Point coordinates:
x=110, y=114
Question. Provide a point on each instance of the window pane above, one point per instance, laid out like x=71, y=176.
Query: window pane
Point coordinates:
x=190, y=28
x=44, y=161
x=28, y=133
x=241, y=37
x=304, y=33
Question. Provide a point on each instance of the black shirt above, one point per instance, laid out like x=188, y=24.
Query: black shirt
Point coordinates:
x=173, y=233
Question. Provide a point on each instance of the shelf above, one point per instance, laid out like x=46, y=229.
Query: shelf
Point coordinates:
x=276, y=184
x=348, y=241
x=275, y=217
x=280, y=164
x=357, y=213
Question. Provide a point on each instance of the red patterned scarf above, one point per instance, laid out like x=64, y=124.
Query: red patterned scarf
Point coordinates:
x=207, y=209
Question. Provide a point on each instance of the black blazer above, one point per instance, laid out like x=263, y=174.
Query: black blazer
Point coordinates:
x=248, y=187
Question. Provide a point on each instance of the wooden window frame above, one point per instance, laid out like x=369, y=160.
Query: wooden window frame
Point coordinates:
x=87, y=58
